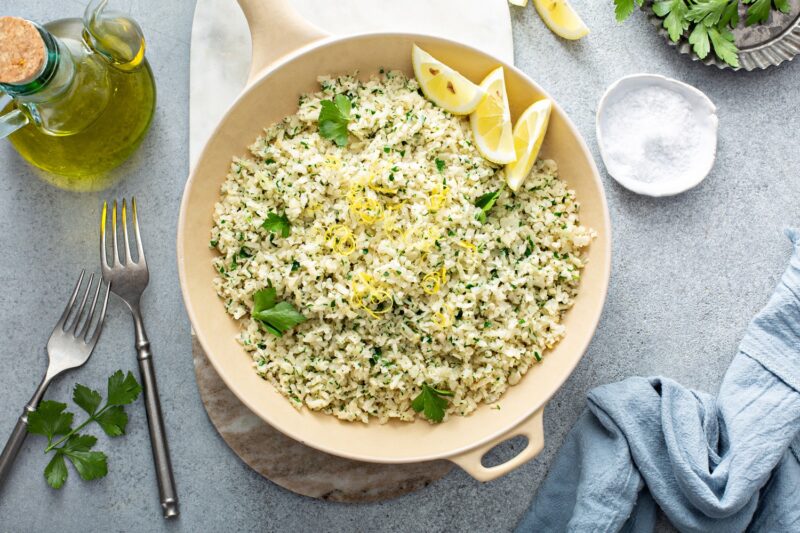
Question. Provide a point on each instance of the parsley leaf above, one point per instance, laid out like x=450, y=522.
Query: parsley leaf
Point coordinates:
x=56, y=471
x=724, y=47
x=699, y=41
x=485, y=203
x=51, y=419
x=264, y=299
x=280, y=318
x=440, y=165
x=674, y=13
x=759, y=10
x=333, y=119
x=624, y=8
x=122, y=390
x=709, y=12
x=277, y=224
x=90, y=465
x=431, y=403
x=113, y=421
x=277, y=318
x=86, y=398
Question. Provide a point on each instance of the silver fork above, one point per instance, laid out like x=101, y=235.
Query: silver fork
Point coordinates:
x=70, y=346
x=128, y=279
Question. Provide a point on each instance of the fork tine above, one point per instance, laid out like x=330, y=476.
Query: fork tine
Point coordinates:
x=85, y=330
x=77, y=320
x=114, y=233
x=125, y=232
x=103, y=219
x=65, y=314
x=139, y=247
x=99, y=328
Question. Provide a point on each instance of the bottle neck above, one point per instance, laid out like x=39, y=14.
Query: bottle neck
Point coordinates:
x=54, y=78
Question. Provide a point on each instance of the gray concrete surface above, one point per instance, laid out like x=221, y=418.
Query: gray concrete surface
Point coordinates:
x=688, y=273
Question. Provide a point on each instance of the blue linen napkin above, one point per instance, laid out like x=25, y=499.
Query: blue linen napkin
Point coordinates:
x=724, y=464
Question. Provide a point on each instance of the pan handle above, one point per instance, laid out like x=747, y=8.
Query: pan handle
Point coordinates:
x=532, y=428
x=276, y=29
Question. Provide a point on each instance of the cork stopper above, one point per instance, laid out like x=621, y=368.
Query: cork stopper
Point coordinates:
x=22, y=51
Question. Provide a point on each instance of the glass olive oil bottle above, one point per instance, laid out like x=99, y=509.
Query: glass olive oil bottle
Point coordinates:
x=86, y=108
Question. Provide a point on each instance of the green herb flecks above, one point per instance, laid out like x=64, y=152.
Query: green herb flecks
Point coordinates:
x=431, y=403
x=277, y=317
x=485, y=203
x=440, y=165
x=278, y=224
x=52, y=420
x=333, y=119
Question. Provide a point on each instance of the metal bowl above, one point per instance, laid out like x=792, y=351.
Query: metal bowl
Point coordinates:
x=760, y=46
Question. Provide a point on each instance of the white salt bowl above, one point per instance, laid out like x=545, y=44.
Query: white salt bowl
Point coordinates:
x=704, y=113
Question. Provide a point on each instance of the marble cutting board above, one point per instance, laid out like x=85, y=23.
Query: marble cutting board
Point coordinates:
x=220, y=57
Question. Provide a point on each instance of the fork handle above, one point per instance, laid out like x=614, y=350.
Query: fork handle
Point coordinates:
x=158, y=436
x=13, y=445
x=17, y=437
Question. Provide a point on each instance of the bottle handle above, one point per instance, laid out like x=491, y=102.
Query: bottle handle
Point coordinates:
x=11, y=121
x=115, y=36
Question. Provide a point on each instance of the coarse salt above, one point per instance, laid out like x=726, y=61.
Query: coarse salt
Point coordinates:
x=659, y=134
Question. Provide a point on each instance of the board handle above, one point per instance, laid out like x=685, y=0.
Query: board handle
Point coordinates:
x=276, y=29
x=532, y=428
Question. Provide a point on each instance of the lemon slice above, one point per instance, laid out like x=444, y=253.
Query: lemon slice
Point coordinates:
x=528, y=136
x=491, y=121
x=444, y=86
x=561, y=18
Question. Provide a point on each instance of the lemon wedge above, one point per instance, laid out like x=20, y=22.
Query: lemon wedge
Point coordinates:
x=444, y=86
x=561, y=18
x=529, y=133
x=491, y=121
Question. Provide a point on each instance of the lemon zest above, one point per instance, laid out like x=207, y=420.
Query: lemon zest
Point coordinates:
x=376, y=188
x=369, y=210
x=438, y=198
x=434, y=281
x=431, y=283
x=368, y=294
x=469, y=246
x=341, y=238
x=441, y=319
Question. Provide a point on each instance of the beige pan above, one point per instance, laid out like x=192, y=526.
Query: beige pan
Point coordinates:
x=288, y=55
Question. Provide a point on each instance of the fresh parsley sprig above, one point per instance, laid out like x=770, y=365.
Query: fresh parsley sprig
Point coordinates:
x=485, y=203
x=276, y=317
x=278, y=224
x=706, y=24
x=52, y=420
x=334, y=115
x=431, y=403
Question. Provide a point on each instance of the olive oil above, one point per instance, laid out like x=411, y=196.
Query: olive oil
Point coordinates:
x=93, y=122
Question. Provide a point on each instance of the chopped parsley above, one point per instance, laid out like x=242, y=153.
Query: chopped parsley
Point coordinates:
x=440, y=165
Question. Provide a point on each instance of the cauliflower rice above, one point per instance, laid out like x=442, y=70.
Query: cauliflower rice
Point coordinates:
x=389, y=221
